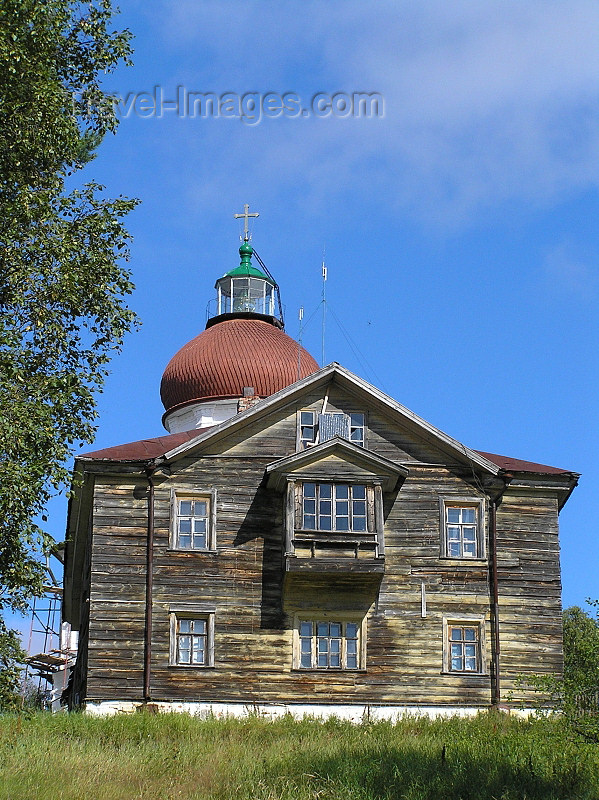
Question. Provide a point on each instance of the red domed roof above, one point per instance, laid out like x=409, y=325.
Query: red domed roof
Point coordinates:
x=229, y=356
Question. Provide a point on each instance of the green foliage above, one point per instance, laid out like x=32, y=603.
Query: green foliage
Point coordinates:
x=62, y=283
x=11, y=660
x=173, y=756
x=580, y=695
x=576, y=694
x=581, y=651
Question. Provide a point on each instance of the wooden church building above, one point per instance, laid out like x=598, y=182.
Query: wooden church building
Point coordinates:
x=300, y=542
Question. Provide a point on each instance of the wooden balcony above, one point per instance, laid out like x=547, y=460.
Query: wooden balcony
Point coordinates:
x=336, y=553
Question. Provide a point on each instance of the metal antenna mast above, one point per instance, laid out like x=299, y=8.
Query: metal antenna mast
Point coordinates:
x=299, y=342
x=324, y=303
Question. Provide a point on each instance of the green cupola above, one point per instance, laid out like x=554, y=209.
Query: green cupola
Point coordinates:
x=247, y=291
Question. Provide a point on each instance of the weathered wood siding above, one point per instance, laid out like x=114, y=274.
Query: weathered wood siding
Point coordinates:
x=117, y=598
x=529, y=588
x=244, y=582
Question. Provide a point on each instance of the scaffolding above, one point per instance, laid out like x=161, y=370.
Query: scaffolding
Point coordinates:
x=52, y=646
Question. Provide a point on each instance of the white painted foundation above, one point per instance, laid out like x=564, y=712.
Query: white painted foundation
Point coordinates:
x=351, y=713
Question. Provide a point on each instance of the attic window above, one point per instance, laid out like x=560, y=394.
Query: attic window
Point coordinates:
x=315, y=428
x=308, y=428
x=357, y=429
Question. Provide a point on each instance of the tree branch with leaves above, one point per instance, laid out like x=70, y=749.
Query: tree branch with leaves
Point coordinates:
x=63, y=283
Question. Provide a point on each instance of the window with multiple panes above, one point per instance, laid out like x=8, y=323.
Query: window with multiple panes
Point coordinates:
x=464, y=648
x=462, y=527
x=192, y=524
x=328, y=645
x=308, y=428
x=461, y=524
x=314, y=427
x=192, y=637
x=334, y=507
x=357, y=429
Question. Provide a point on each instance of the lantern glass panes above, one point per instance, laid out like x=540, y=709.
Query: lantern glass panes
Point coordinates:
x=245, y=294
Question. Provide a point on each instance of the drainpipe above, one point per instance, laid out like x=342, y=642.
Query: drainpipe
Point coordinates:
x=496, y=649
x=149, y=586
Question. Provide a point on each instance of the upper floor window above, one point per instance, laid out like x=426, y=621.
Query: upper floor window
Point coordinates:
x=462, y=528
x=461, y=532
x=357, y=429
x=315, y=428
x=334, y=507
x=192, y=524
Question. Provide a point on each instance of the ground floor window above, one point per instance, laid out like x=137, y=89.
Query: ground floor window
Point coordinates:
x=464, y=646
x=328, y=644
x=465, y=650
x=192, y=639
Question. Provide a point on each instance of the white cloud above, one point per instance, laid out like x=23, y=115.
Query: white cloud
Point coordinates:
x=486, y=103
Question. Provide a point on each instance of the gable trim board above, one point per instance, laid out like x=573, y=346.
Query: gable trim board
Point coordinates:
x=391, y=472
x=345, y=379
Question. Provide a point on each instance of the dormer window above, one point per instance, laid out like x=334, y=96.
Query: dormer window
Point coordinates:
x=315, y=428
x=334, y=507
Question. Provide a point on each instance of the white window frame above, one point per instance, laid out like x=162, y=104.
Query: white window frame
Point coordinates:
x=206, y=495
x=477, y=622
x=329, y=617
x=176, y=616
x=368, y=500
x=478, y=504
x=304, y=442
x=361, y=441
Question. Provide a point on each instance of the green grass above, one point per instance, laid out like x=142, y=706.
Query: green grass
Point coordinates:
x=491, y=757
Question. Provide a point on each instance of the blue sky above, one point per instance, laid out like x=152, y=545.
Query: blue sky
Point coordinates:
x=460, y=227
